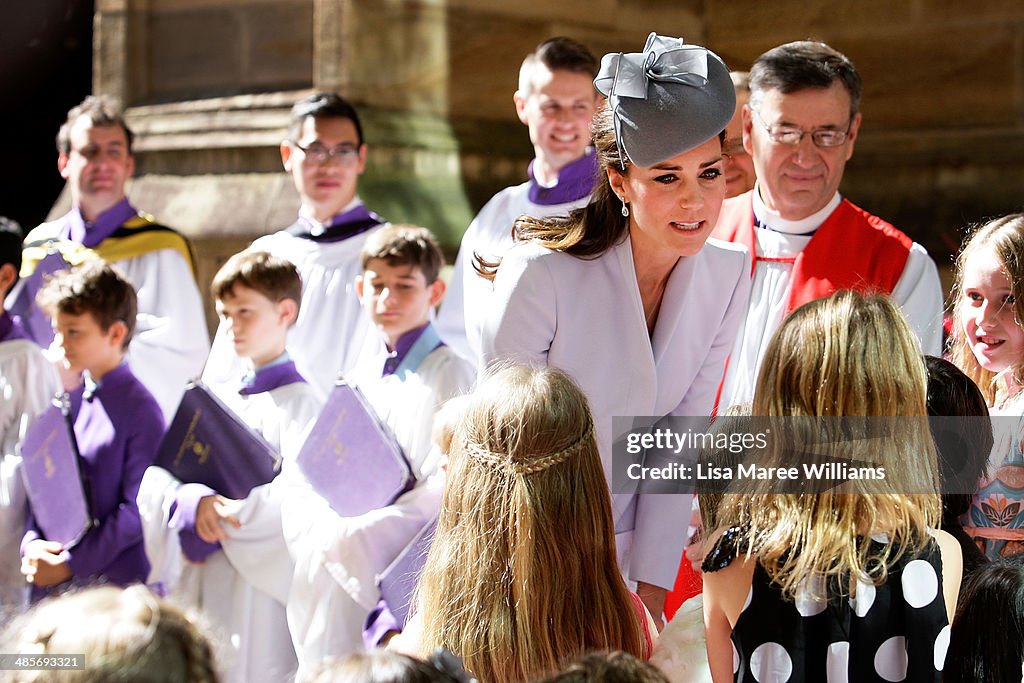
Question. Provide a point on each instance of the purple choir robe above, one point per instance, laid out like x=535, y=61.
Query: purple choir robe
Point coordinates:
x=118, y=428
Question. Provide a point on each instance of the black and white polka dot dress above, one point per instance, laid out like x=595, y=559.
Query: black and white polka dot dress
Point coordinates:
x=898, y=631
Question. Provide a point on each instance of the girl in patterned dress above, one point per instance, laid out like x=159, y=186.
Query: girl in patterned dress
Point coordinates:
x=988, y=345
x=844, y=580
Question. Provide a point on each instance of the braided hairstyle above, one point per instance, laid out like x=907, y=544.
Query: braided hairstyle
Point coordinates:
x=522, y=576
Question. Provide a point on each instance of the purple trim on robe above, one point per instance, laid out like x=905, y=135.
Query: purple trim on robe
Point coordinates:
x=379, y=623
x=91, y=233
x=183, y=518
x=118, y=433
x=340, y=227
x=575, y=181
x=10, y=328
x=270, y=377
x=402, y=346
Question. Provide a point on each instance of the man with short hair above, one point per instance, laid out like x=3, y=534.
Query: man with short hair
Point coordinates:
x=95, y=156
x=805, y=239
x=556, y=100
x=738, y=166
x=325, y=155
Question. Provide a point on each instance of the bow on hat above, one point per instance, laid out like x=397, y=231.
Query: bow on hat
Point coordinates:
x=664, y=59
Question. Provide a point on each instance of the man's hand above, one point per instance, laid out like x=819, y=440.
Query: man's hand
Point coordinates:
x=43, y=564
x=654, y=598
x=210, y=517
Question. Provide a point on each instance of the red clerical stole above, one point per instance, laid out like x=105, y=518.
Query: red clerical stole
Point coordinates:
x=851, y=250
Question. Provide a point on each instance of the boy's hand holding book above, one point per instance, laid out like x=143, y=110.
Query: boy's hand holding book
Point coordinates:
x=212, y=513
x=44, y=564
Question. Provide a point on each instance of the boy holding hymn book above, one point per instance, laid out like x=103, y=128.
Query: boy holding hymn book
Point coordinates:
x=27, y=383
x=238, y=570
x=117, y=427
x=339, y=558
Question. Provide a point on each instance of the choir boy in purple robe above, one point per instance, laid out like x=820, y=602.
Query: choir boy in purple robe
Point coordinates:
x=237, y=567
x=117, y=425
x=338, y=559
x=325, y=155
x=556, y=100
x=27, y=383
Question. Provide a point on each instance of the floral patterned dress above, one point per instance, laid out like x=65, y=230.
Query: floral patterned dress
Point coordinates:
x=996, y=517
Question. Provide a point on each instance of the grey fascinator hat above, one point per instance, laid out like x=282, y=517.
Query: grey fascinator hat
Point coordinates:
x=665, y=100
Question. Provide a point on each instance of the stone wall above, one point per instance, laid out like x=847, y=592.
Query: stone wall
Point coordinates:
x=209, y=82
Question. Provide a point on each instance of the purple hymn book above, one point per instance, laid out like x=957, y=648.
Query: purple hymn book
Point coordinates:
x=351, y=458
x=398, y=581
x=209, y=444
x=52, y=474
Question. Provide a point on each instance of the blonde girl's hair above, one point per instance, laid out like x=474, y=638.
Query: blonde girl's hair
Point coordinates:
x=121, y=634
x=1005, y=236
x=522, y=575
x=851, y=356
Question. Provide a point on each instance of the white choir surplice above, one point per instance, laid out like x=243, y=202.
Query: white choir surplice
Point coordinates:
x=918, y=293
x=490, y=234
x=586, y=317
x=338, y=559
x=332, y=333
x=243, y=588
x=27, y=384
x=171, y=340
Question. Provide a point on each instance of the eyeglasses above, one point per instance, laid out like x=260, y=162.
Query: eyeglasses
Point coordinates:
x=791, y=135
x=318, y=154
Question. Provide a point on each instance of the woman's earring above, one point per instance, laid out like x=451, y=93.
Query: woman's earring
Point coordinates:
x=625, y=208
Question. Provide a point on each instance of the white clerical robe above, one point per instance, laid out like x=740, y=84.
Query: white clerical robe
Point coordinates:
x=338, y=559
x=918, y=292
x=27, y=384
x=243, y=588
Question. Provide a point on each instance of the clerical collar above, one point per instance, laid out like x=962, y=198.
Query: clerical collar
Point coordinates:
x=350, y=221
x=770, y=220
x=575, y=181
x=10, y=329
x=91, y=233
x=277, y=373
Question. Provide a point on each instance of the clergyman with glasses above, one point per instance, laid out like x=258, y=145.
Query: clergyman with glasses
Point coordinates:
x=805, y=239
x=325, y=154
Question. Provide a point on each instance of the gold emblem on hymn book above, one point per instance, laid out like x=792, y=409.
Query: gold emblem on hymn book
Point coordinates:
x=191, y=443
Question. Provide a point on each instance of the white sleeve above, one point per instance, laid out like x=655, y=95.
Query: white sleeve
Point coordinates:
x=171, y=339
x=521, y=323
x=451, y=319
x=919, y=294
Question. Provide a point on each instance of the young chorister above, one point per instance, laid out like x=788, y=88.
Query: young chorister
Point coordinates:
x=117, y=426
x=27, y=383
x=237, y=568
x=338, y=559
